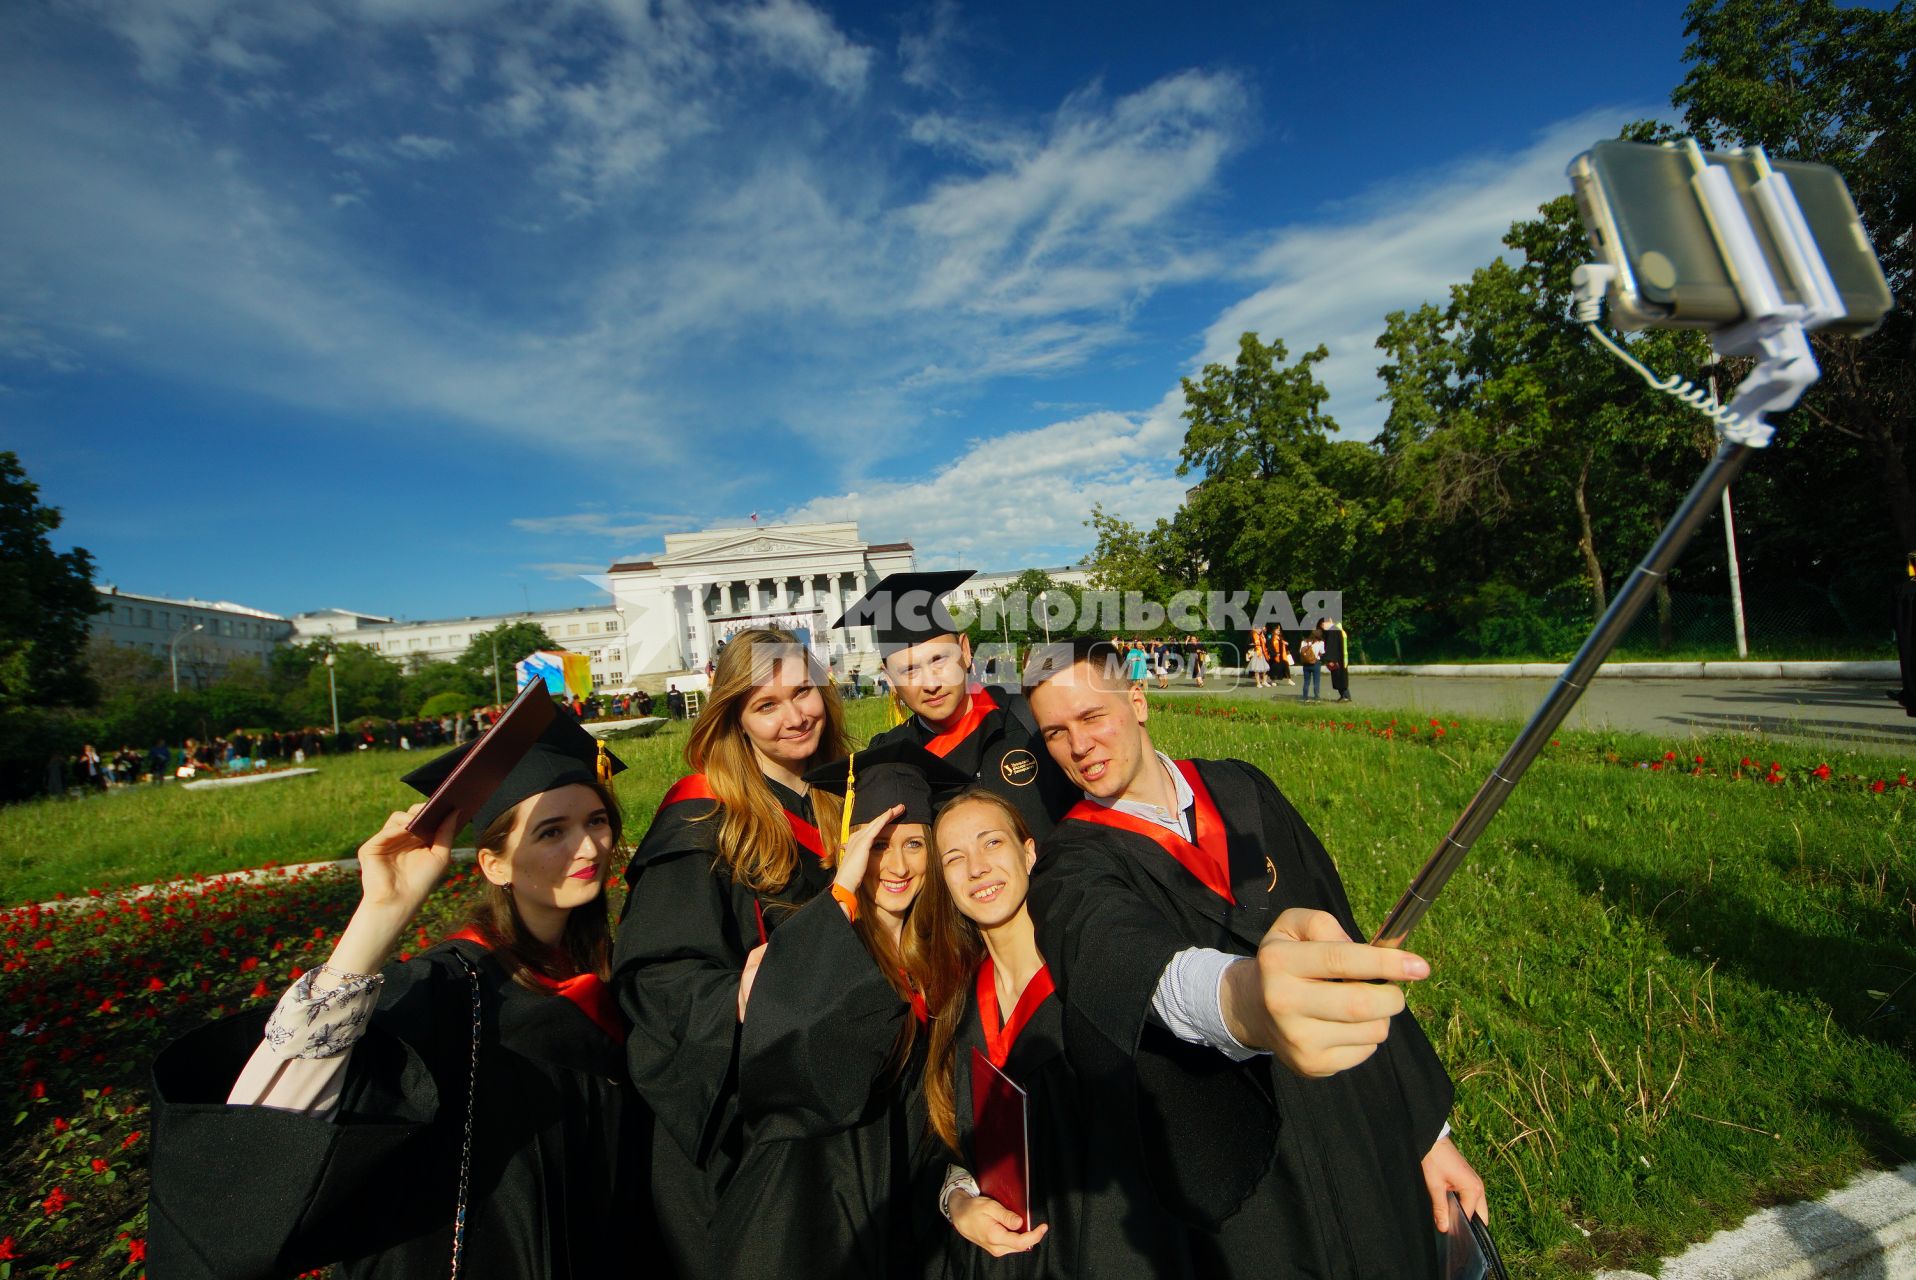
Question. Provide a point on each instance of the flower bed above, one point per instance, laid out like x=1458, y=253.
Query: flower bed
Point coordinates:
x=88, y=996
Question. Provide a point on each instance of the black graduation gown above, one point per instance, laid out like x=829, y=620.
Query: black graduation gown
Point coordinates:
x=1903, y=619
x=557, y=1175
x=1005, y=754
x=681, y=947
x=1073, y=1188
x=833, y=1176
x=1275, y=1174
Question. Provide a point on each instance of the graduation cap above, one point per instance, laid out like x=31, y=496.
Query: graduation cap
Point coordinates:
x=892, y=774
x=533, y=748
x=907, y=608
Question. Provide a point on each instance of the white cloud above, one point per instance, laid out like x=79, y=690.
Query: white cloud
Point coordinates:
x=1398, y=247
x=800, y=38
x=1022, y=498
x=1080, y=217
x=415, y=146
x=630, y=526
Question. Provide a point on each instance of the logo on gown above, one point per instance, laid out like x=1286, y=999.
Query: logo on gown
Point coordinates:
x=1019, y=767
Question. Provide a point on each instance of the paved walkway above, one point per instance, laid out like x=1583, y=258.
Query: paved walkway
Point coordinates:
x=1837, y=713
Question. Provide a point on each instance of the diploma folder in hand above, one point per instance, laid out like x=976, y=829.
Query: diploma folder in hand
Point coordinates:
x=1467, y=1250
x=1000, y=1138
x=488, y=761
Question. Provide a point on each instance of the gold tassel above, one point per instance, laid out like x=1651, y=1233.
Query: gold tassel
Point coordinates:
x=896, y=706
x=605, y=763
x=851, y=795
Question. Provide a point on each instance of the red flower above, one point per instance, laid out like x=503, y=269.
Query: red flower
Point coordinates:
x=154, y=984
x=9, y=1251
x=259, y=990
x=97, y=1165
x=1656, y=766
x=1879, y=786
x=1821, y=771
x=55, y=1203
x=1747, y=764
x=1699, y=759
x=249, y=964
x=60, y=1124
x=1669, y=755
x=131, y=1138
x=136, y=1249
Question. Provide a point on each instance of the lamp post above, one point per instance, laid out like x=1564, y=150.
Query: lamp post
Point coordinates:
x=173, y=650
x=497, y=697
x=332, y=688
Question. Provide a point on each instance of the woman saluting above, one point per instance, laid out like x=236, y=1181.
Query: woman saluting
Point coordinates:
x=464, y=1111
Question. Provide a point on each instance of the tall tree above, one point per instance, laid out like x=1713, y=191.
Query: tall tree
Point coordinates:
x=47, y=601
x=1813, y=80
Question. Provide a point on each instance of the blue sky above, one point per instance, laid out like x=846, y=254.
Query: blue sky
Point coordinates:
x=424, y=307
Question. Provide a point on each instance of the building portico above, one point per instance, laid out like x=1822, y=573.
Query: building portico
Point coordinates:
x=706, y=587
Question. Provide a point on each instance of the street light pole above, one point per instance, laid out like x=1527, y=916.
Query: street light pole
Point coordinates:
x=497, y=697
x=173, y=651
x=332, y=687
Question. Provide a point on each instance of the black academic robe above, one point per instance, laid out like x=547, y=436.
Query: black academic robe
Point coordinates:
x=1272, y=1174
x=1005, y=754
x=681, y=948
x=556, y=1186
x=836, y=1173
x=1074, y=1192
x=788, y=1142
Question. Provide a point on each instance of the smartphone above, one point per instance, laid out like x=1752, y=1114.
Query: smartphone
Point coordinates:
x=1644, y=218
x=1825, y=201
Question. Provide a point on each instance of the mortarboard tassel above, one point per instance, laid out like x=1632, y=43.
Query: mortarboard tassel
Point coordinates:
x=604, y=768
x=851, y=795
x=897, y=708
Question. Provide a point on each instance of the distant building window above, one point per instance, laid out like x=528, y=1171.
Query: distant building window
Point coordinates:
x=614, y=677
x=572, y=629
x=611, y=626
x=413, y=643
x=433, y=643
x=391, y=645
x=597, y=681
x=612, y=655
x=146, y=617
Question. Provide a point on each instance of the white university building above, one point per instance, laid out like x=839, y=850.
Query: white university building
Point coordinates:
x=664, y=615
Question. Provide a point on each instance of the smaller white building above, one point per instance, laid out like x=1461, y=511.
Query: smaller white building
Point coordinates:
x=205, y=638
x=597, y=632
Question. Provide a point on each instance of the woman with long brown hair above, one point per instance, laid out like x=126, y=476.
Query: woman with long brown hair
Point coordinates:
x=736, y=960
x=465, y=1107
x=972, y=948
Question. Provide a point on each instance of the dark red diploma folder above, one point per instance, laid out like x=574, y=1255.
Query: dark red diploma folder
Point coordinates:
x=1001, y=1138
x=488, y=760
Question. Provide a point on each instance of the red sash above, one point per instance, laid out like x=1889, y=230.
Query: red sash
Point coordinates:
x=1209, y=859
x=695, y=786
x=593, y=998
x=980, y=706
x=998, y=1040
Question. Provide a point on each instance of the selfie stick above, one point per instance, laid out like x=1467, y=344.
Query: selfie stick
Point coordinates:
x=1773, y=333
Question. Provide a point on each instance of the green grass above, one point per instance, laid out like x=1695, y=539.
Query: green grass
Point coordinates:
x=1667, y=999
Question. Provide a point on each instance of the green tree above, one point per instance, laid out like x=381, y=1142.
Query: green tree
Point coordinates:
x=47, y=601
x=435, y=680
x=368, y=684
x=1813, y=80
x=510, y=641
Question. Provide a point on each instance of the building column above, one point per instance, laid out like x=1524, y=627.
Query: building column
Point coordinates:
x=778, y=594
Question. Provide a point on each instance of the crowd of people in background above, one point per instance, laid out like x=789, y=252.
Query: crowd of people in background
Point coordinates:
x=248, y=751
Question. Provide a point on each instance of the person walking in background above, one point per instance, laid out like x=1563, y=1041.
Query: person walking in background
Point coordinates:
x=1260, y=659
x=1336, y=659
x=1310, y=653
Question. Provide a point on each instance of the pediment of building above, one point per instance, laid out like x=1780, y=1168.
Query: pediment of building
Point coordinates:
x=753, y=545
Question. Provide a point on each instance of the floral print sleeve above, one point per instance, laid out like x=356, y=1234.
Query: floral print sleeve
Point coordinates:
x=300, y=1064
